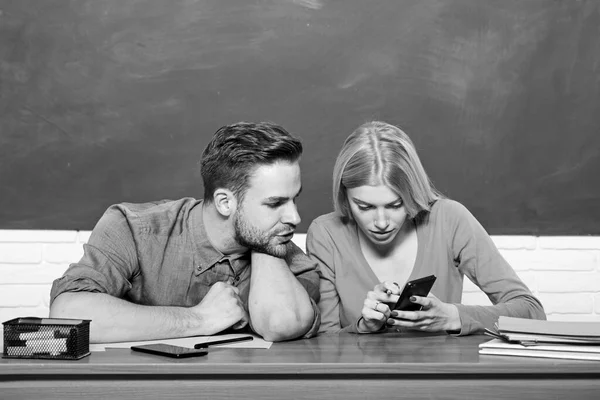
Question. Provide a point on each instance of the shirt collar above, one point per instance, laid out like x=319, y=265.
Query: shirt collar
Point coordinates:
x=206, y=255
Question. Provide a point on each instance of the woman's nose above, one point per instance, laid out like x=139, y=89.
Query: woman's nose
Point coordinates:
x=381, y=222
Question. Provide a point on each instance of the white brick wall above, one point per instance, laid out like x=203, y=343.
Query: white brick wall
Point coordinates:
x=29, y=262
x=564, y=272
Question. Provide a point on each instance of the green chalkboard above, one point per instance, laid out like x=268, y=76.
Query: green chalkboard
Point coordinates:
x=104, y=101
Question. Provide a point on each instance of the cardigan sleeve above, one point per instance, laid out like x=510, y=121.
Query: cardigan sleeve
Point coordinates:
x=478, y=258
x=319, y=246
x=330, y=255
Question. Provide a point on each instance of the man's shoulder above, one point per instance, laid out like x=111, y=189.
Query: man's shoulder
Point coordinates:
x=159, y=206
x=152, y=216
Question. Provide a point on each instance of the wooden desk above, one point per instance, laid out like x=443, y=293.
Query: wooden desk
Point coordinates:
x=384, y=366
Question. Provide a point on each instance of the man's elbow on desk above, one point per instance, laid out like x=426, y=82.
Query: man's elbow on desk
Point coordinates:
x=65, y=305
x=84, y=305
x=285, y=326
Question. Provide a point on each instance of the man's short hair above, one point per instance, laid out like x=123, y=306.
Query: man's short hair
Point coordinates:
x=237, y=150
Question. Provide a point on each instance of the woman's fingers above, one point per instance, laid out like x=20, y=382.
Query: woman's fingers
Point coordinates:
x=375, y=310
x=382, y=296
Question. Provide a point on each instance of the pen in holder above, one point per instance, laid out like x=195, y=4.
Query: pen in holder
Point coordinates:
x=46, y=338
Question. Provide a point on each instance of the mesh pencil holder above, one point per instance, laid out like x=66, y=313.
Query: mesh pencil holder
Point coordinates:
x=46, y=338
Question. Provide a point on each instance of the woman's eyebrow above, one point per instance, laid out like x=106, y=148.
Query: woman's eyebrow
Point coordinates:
x=354, y=199
x=398, y=200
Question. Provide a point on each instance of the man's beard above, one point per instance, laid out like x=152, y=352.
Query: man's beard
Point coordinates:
x=257, y=240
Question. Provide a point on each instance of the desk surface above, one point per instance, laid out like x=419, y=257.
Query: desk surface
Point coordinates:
x=329, y=354
x=378, y=362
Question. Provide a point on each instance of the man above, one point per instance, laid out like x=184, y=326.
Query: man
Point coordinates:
x=197, y=267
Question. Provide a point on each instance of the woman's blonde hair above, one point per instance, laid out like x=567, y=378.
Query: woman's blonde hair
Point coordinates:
x=377, y=153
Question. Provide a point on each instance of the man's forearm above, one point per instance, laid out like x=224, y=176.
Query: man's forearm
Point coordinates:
x=279, y=307
x=117, y=320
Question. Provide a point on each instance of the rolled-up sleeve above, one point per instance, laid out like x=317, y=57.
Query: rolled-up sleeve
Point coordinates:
x=108, y=263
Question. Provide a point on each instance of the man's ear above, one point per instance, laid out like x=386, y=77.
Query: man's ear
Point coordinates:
x=225, y=201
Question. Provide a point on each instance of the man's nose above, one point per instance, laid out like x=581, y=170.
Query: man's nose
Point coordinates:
x=291, y=215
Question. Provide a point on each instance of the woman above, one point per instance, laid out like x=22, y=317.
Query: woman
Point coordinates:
x=390, y=226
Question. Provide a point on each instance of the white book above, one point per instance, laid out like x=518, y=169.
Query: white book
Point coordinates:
x=577, y=348
x=548, y=339
x=564, y=351
x=572, y=329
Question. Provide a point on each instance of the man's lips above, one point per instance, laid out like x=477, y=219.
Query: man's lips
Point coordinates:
x=286, y=234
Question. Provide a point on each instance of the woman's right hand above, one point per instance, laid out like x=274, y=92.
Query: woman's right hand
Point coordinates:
x=375, y=311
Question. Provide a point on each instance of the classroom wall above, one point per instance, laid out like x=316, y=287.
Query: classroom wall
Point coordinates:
x=109, y=101
x=564, y=272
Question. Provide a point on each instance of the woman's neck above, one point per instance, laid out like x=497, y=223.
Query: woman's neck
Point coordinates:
x=386, y=250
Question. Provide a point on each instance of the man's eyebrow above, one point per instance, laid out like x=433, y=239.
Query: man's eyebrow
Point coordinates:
x=281, y=198
x=274, y=199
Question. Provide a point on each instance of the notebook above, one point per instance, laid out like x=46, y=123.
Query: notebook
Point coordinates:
x=578, y=340
x=568, y=352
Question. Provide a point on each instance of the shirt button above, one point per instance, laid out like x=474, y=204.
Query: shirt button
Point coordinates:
x=198, y=268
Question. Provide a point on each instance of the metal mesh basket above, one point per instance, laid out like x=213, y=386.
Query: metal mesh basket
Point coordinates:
x=46, y=338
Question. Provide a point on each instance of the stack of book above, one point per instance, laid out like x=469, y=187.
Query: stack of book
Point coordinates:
x=577, y=340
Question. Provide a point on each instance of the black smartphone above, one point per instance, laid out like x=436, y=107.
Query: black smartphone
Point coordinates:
x=417, y=287
x=168, y=350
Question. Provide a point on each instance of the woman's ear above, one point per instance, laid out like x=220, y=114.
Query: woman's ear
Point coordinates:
x=225, y=202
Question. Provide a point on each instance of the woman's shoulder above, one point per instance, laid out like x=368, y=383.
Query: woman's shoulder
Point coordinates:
x=448, y=211
x=447, y=206
x=332, y=224
x=330, y=221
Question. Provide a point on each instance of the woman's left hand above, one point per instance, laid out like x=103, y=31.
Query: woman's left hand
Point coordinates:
x=434, y=316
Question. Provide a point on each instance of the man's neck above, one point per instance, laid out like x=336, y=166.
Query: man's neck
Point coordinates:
x=220, y=231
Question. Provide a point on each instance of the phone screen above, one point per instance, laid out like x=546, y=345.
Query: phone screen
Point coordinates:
x=169, y=350
x=418, y=287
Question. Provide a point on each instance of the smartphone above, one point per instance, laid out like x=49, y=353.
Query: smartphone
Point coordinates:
x=417, y=287
x=168, y=350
